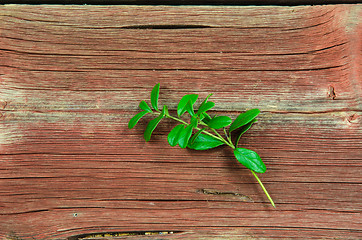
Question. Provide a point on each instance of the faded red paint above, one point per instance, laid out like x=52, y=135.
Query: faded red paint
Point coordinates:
x=71, y=78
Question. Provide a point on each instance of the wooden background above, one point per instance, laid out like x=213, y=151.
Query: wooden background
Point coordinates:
x=72, y=76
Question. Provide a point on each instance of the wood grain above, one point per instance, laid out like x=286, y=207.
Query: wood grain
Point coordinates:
x=72, y=76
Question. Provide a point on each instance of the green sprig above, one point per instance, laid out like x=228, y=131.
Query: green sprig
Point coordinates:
x=200, y=133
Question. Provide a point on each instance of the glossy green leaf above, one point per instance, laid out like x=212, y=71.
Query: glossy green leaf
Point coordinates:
x=219, y=122
x=144, y=106
x=185, y=136
x=154, y=96
x=204, y=142
x=181, y=107
x=153, y=124
x=135, y=119
x=174, y=135
x=250, y=159
x=244, y=118
x=205, y=107
x=244, y=129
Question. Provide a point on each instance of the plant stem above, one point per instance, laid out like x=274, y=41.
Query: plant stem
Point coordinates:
x=216, y=137
x=264, y=189
x=176, y=119
x=222, y=139
x=229, y=139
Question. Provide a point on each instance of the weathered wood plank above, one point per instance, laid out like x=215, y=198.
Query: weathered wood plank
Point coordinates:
x=72, y=76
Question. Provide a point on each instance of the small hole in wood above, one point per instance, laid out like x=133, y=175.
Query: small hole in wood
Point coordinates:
x=331, y=93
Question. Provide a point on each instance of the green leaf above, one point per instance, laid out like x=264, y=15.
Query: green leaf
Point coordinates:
x=185, y=136
x=244, y=129
x=154, y=96
x=135, y=119
x=219, y=122
x=204, y=142
x=250, y=159
x=153, y=124
x=174, y=135
x=244, y=118
x=205, y=106
x=181, y=107
x=144, y=106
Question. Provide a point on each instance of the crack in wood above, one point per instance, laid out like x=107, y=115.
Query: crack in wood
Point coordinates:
x=243, y=197
x=165, y=27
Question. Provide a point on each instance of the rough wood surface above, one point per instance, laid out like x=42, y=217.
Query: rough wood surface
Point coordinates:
x=72, y=76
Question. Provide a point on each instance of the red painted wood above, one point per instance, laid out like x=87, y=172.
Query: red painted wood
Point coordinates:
x=72, y=76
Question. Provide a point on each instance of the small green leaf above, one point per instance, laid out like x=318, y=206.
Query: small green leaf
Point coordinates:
x=244, y=118
x=219, y=122
x=185, y=136
x=204, y=142
x=154, y=96
x=144, y=106
x=181, y=107
x=153, y=124
x=205, y=107
x=174, y=135
x=250, y=159
x=135, y=119
x=244, y=129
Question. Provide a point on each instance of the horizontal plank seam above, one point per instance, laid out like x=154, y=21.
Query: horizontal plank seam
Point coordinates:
x=201, y=4
x=167, y=180
x=327, y=211
x=173, y=26
x=247, y=227
x=157, y=52
x=177, y=69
